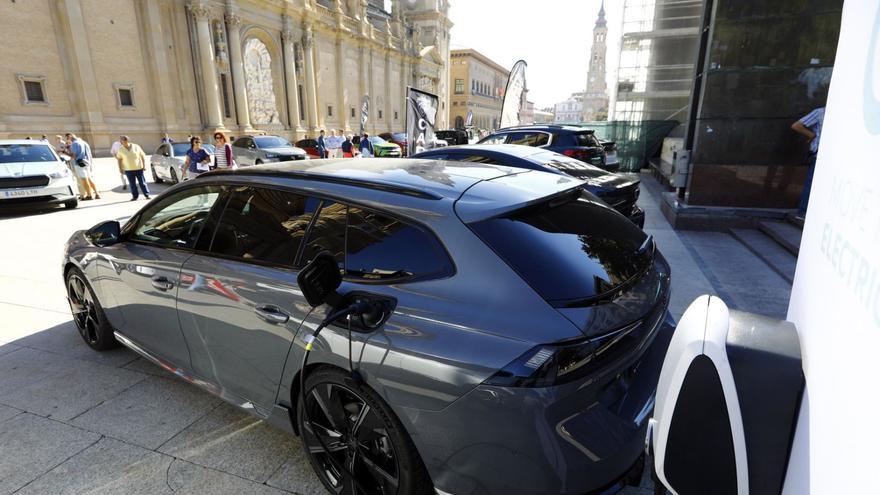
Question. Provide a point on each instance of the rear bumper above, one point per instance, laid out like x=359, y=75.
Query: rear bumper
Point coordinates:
x=577, y=438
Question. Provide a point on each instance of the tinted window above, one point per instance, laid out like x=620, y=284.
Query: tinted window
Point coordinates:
x=17, y=153
x=164, y=149
x=176, y=221
x=529, y=138
x=586, y=139
x=569, y=251
x=384, y=248
x=264, y=225
x=271, y=142
x=307, y=143
x=327, y=234
x=475, y=159
x=242, y=142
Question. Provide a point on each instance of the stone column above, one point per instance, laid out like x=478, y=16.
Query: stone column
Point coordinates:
x=290, y=78
x=374, y=110
x=340, y=84
x=236, y=64
x=362, y=82
x=214, y=118
x=83, y=75
x=389, y=115
x=311, y=93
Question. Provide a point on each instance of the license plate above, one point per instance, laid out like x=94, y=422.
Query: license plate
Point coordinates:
x=21, y=193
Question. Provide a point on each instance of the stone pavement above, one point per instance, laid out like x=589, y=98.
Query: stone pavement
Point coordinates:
x=74, y=420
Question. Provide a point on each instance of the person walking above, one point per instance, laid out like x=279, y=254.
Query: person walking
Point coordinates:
x=322, y=145
x=223, y=151
x=347, y=147
x=366, y=146
x=133, y=161
x=114, y=151
x=197, y=160
x=81, y=153
x=809, y=126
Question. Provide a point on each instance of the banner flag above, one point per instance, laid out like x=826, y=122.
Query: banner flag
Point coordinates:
x=470, y=119
x=365, y=113
x=514, y=96
x=421, y=113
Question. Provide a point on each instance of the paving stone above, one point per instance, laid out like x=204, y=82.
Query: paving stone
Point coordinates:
x=149, y=413
x=107, y=467
x=31, y=445
x=234, y=442
x=28, y=366
x=20, y=321
x=297, y=475
x=67, y=395
x=65, y=339
x=185, y=477
x=7, y=412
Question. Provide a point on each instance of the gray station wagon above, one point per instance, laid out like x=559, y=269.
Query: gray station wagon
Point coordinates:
x=501, y=329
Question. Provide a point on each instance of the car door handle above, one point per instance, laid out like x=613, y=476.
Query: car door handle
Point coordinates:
x=272, y=314
x=162, y=283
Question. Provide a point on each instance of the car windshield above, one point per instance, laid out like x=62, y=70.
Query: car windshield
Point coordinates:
x=573, y=251
x=19, y=153
x=377, y=140
x=271, y=142
x=399, y=136
x=585, y=139
x=180, y=149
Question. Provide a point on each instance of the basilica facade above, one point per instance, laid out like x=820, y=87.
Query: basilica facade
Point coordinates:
x=144, y=68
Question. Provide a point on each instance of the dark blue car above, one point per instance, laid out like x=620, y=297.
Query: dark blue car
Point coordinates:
x=619, y=191
x=571, y=141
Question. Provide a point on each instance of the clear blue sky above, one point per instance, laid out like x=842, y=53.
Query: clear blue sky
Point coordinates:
x=553, y=36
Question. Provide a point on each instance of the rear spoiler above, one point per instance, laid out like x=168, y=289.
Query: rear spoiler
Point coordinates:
x=609, y=145
x=493, y=197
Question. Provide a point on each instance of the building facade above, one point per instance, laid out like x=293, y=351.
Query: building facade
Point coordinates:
x=149, y=67
x=477, y=84
x=594, y=101
x=570, y=110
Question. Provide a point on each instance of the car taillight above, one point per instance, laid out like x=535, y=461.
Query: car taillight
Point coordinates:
x=578, y=153
x=546, y=366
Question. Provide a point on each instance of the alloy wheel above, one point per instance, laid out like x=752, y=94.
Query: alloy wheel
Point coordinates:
x=82, y=305
x=344, y=430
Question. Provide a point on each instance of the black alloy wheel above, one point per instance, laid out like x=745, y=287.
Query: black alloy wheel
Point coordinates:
x=359, y=433
x=88, y=316
x=174, y=179
x=258, y=162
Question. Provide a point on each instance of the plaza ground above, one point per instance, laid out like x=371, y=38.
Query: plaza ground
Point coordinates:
x=73, y=420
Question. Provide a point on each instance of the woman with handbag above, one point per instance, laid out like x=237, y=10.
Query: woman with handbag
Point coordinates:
x=223, y=152
x=197, y=160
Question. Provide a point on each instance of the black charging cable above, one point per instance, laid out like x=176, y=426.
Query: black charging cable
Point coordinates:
x=354, y=308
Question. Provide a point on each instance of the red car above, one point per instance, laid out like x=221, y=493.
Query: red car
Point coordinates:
x=398, y=138
x=311, y=147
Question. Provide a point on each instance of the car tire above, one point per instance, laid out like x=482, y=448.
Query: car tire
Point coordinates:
x=258, y=162
x=156, y=178
x=394, y=449
x=88, y=315
x=73, y=203
x=174, y=178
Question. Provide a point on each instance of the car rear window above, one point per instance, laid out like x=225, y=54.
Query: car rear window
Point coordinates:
x=19, y=153
x=572, y=250
x=586, y=139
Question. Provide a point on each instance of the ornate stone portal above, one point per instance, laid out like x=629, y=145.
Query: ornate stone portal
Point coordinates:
x=260, y=86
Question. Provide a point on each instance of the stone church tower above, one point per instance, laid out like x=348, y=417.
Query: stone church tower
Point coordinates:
x=595, y=101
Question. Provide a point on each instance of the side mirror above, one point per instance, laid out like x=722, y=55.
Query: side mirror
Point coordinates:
x=104, y=234
x=319, y=280
x=166, y=154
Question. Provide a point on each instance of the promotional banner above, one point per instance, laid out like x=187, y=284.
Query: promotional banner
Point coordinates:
x=421, y=114
x=514, y=96
x=470, y=119
x=365, y=113
x=835, y=299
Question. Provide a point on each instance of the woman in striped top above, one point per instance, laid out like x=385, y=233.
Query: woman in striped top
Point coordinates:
x=222, y=151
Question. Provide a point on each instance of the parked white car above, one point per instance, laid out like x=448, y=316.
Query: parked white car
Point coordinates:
x=166, y=163
x=33, y=174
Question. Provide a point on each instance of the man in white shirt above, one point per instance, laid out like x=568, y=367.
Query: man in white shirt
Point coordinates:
x=334, y=144
x=114, y=150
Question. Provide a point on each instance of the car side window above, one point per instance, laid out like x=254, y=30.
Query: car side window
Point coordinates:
x=327, y=234
x=383, y=248
x=528, y=138
x=494, y=139
x=177, y=220
x=263, y=225
x=164, y=150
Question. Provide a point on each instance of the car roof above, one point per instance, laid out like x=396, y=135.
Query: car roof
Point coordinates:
x=516, y=150
x=545, y=127
x=425, y=179
x=24, y=141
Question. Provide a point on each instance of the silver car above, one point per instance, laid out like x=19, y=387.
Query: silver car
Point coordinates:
x=33, y=174
x=256, y=150
x=490, y=330
x=168, y=160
